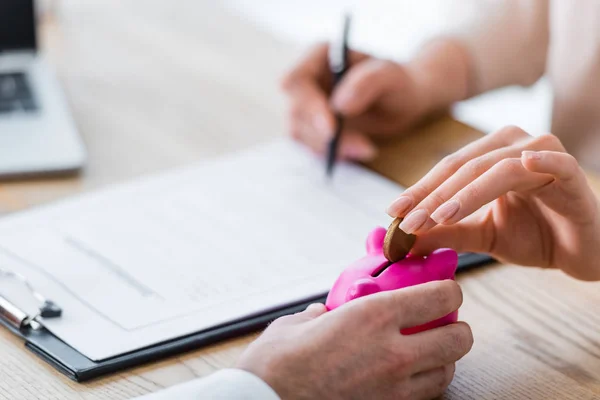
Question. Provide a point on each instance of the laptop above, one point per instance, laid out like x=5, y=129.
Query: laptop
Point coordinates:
x=37, y=132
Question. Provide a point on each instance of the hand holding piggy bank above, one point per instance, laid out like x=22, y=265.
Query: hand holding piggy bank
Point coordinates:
x=374, y=273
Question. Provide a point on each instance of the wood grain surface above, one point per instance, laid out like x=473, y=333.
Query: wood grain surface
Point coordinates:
x=154, y=84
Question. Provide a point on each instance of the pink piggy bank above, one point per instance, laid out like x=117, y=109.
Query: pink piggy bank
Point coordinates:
x=374, y=273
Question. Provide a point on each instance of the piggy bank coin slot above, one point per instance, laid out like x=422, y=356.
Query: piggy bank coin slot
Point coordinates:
x=380, y=270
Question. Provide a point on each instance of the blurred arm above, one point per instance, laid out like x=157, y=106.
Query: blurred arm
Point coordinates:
x=506, y=44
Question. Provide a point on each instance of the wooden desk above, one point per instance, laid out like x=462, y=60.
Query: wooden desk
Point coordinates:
x=153, y=86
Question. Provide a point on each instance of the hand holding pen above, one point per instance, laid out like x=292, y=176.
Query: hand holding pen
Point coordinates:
x=375, y=97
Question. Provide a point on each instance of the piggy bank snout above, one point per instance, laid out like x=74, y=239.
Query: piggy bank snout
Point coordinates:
x=362, y=287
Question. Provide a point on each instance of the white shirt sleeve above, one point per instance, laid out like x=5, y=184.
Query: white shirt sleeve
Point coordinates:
x=226, y=384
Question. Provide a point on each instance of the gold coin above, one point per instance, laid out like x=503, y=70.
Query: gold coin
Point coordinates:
x=397, y=243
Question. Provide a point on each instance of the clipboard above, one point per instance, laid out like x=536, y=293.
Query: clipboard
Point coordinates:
x=79, y=368
x=406, y=169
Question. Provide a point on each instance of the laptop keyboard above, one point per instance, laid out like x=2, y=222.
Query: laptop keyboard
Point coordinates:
x=15, y=93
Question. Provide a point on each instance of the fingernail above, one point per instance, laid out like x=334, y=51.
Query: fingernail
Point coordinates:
x=399, y=206
x=414, y=221
x=362, y=152
x=531, y=155
x=321, y=124
x=445, y=211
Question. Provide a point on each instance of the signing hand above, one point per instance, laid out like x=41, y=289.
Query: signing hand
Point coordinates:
x=522, y=199
x=357, y=351
x=376, y=97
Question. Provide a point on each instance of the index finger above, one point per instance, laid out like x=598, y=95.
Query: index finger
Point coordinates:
x=449, y=165
x=416, y=305
x=472, y=235
x=312, y=68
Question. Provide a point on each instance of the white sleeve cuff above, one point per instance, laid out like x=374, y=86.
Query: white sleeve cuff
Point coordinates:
x=226, y=384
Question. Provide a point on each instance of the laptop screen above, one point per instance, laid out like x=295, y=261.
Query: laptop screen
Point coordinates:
x=17, y=25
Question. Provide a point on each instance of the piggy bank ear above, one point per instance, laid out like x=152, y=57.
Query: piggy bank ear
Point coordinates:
x=375, y=240
x=444, y=262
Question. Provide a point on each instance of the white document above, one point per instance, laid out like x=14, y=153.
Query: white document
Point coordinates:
x=173, y=254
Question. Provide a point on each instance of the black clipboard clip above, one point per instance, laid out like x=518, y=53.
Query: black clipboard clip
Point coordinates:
x=20, y=319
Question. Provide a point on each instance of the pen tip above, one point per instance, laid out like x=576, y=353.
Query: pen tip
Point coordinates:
x=329, y=173
x=329, y=168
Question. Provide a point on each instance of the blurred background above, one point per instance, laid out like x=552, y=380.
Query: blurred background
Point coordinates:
x=395, y=29
x=387, y=28
x=152, y=84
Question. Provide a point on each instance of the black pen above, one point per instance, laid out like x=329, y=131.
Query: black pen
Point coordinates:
x=338, y=64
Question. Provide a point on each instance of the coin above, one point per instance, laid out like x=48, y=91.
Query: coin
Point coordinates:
x=397, y=243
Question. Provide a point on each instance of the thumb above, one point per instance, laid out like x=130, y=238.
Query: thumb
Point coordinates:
x=363, y=85
x=467, y=235
x=575, y=198
x=312, y=311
